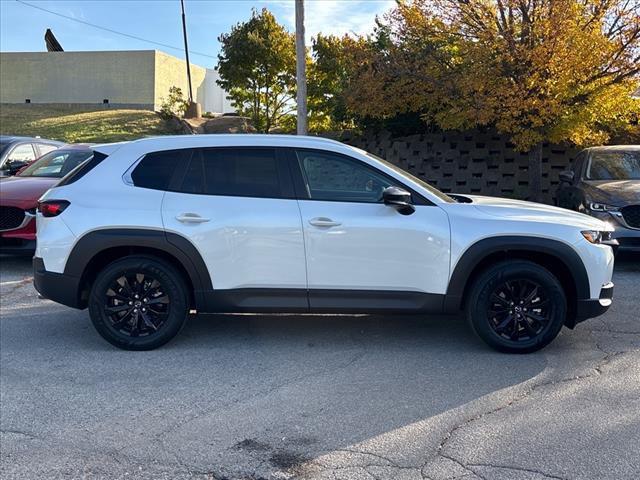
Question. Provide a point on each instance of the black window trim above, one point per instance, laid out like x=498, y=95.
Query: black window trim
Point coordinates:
x=301, y=185
x=284, y=174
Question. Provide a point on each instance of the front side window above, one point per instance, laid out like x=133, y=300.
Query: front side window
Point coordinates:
x=56, y=164
x=243, y=172
x=22, y=153
x=333, y=177
x=614, y=165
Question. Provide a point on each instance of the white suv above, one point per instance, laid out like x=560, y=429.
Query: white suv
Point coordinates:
x=148, y=230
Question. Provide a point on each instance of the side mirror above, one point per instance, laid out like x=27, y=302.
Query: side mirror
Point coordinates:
x=13, y=166
x=398, y=198
x=566, y=176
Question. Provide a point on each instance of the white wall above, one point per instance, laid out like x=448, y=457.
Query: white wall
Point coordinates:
x=214, y=100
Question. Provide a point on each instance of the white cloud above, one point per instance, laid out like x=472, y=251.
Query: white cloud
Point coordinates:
x=335, y=17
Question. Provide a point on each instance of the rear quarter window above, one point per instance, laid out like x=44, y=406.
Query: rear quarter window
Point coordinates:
x=156, y=170
x=82, y=169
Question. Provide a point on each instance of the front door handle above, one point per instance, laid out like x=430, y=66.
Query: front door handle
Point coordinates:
x=191, y=218
x=323, y=222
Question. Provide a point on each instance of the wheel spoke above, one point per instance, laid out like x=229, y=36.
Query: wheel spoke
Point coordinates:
x=498, y=299
x=538, y=318
x=502, y=325
x=164, y=300
x=117, y=308
x=528, y=327
x=148, y=322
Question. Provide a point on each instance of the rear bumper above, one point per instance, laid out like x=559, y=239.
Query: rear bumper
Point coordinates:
x=58, y=287
x=595, y=307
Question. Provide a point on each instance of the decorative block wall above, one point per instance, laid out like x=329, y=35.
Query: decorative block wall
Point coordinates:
x=475, y=162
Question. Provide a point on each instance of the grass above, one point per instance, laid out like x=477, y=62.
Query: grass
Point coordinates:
x=79, y=126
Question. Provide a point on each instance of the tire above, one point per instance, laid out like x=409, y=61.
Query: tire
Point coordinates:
x=496, y=315
x=144, y=322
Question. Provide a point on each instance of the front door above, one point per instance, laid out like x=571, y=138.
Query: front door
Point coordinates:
x=236, y=205
x=363, y=255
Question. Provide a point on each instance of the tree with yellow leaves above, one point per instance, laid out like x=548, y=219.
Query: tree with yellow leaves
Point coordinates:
x=536, y=70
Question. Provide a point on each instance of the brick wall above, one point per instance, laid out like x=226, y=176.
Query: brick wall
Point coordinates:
x=476, y=162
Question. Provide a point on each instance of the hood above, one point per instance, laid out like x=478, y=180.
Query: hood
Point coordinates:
x=25, y=188
x=618, y=193
x=535, y=212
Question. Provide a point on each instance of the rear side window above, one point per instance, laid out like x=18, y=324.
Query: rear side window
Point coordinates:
x=82, y=169
x=155, y=170
x=250, y=172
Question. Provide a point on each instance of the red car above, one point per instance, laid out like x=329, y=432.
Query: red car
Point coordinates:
x=19, y=196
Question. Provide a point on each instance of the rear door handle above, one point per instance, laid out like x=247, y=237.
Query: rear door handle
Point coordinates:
x=323, y=222
x=191, y=218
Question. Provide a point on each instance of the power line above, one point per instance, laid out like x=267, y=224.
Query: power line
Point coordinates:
x=111, y=30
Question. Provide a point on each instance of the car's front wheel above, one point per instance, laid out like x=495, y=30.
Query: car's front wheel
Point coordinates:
x=138, y=303
x=517, y=306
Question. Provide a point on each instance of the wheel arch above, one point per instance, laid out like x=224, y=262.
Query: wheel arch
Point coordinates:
x=98, y=248
x=557, y=257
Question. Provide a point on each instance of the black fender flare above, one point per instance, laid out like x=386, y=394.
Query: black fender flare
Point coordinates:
x=97, y=241
x=480, y=250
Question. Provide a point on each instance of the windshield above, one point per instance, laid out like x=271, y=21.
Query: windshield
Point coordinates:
x=442, y=196
x=56, y=164
x=3, y=147
x=614, y=166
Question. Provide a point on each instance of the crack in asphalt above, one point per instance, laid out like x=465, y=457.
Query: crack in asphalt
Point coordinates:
x=517, y=469
x=19, y=432
x=597, y=370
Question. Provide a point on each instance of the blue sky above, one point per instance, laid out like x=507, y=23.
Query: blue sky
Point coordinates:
x=22, y=27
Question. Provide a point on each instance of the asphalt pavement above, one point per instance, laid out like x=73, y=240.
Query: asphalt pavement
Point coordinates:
x=315, y=397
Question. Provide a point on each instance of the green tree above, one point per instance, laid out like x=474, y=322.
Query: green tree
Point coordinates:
x=257, y=67
x=536, y=70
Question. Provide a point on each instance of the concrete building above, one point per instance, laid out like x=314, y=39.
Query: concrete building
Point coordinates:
x=131, y=79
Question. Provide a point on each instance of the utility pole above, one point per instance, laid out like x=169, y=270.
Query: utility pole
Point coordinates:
x=193, y=110
x=301, y=67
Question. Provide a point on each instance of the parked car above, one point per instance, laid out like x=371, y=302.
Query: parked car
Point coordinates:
x=604, y=182
x=148, y=230
x=17, y=152
x=19, y=196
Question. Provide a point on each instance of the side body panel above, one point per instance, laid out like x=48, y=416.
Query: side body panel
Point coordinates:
x=376, y=248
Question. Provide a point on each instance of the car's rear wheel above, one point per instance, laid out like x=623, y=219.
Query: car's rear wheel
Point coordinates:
x=138, y=303
x=517, y=306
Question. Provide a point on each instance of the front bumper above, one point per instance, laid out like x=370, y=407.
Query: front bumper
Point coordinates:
x=628, y=238
x=60, y=288
x=595, y=307
x=20, y=240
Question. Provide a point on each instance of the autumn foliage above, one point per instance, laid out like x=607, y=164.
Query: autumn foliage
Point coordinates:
x=536, y=70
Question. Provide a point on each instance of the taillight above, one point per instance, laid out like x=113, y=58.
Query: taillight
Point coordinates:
x=52, y=208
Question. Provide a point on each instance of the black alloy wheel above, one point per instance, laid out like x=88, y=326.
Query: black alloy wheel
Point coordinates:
x=139, y=302
x=516, y=306
x=136, y=304
x=519, y=310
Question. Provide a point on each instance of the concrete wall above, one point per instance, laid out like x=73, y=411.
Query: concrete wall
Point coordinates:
x=122, y=77
x=131, y=79
x=171, y=71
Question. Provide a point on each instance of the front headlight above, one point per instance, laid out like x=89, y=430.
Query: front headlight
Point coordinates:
x=602, y=207
x=596, y=236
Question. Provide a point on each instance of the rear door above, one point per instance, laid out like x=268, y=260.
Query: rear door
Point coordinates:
x=237, y=206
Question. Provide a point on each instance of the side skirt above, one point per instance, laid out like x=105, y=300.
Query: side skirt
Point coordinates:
x=272, y=300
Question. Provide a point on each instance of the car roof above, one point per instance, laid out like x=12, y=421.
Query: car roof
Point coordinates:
x=17, y=138
x=614, y=148
x=176, y=142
